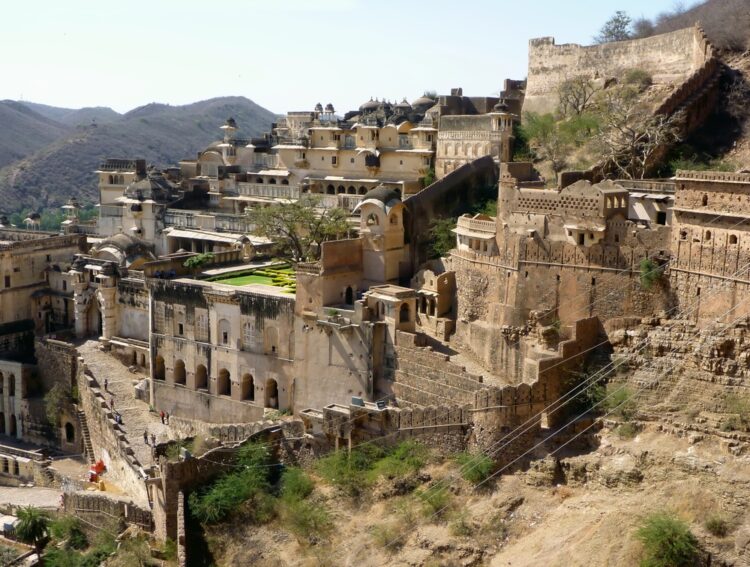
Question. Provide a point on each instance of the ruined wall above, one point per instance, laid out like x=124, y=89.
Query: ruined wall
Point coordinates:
x=669, y=58
x=101, y=509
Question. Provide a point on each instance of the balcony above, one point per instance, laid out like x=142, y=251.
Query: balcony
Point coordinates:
x=476, y=225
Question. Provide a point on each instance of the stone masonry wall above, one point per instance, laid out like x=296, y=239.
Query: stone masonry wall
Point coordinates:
x=670, y=58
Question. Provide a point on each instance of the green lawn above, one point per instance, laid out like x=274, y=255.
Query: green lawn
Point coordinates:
x=264, y=276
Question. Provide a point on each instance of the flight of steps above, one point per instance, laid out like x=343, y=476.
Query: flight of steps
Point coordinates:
x=86, y=435
x=427, y=378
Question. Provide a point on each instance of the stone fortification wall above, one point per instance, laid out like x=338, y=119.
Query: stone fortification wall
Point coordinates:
x=101, y=510
x=669, y=58
x=446, y=198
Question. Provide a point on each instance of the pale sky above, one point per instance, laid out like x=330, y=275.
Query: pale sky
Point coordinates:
x=283, y=54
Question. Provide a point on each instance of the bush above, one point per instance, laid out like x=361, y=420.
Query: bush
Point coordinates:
x=442, y=240
x=460, y=526
x=68, y=529
x=406, y=458
x=475, y=468
x=667, y=541
x=436, y=501
x=638, y=77
x=717, y=526
x=307, y=520
x=621, y=403
x=627, y=430
x=651, y=272
x=387, y=536
x=295, y=484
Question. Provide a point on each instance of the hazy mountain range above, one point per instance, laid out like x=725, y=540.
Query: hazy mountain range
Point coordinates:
x=48, y=154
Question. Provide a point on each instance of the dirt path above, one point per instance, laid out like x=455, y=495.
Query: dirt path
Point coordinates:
x=136, y=417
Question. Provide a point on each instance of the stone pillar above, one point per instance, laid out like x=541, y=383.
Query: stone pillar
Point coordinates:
x=80, y=305
x=108, y=309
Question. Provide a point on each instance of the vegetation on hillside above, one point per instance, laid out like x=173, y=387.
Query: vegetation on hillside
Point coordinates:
x=54, y=166
x=667, y=542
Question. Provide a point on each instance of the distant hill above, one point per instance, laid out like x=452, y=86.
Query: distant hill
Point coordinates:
x=49, y=154
x=726, y=22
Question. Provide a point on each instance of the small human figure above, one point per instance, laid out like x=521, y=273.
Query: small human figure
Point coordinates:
x=112, y=402
x=145, y=436
x=161, y=414
x=106, y=385
x=153, y=440
x=166, y=417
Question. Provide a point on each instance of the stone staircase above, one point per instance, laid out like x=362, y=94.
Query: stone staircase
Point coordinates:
x=424, y=377
x=87, y=445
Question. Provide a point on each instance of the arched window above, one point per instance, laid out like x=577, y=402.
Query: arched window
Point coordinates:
x=272, y=394
x=272, y=181
x=362, y=190
x=179, y=372
x=708, y=235
x=340, y=189
x=372, y=219
x=247, y=387
x=423, y=304
x=704, y=200
x=201, y=378
x=683, y=235
x=331, y=190
x=285, y=182
x=259, y=180
x=351, y=190
x=159, y=369
x=403, y=313
x=732, y=239
x=224, y=383
x=12, y=385
x=70, y=433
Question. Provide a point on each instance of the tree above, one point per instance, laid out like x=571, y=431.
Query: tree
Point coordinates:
x=617, y=28
x=32, y=527
x=630, y=135
x=442, y=238
x=300, y=227
x=667, y=541
x=576, y=95
x=552, y=140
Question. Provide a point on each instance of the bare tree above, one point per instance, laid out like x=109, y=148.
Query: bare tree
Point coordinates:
x=576, y=95
x=631, y=136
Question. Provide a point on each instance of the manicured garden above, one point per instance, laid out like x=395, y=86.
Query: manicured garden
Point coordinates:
x=279, y=275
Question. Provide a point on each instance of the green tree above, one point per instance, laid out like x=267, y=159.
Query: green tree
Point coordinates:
x=196, y=262
x=442, y=238
x=617, y=28
x=553, y=140
x=300, y=227
x=33, y=527
x=667, y=542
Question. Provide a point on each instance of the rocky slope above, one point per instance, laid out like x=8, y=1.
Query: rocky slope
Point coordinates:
x=48, y=154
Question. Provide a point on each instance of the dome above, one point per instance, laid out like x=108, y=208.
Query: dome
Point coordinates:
x=383, y=194
x=369, y=105
x=123, y=249
x=318, y=107
x=404, y=105
x=423, y=101
x=329, y=107
x=501, y=106
x=231, y=123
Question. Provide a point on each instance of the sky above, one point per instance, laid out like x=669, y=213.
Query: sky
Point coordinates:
x=283, y=54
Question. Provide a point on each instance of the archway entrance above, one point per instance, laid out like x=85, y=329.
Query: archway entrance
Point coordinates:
x=94, y=319
x=13, y=426
x=247, y=388
x=223, y=384
x=179, y=372
x=2, y=423
x=403, y=313
x=201, y=378
x=272, y=394
x=70, y=433
x=159, y=370
x=349, y=296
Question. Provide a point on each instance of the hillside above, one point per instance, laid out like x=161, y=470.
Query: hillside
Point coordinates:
x=57, y=162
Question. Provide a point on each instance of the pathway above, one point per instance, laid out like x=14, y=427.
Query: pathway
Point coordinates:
x=135, y=413
x=33, y=496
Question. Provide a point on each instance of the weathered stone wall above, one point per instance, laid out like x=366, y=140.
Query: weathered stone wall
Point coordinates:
x=101, y=509
x=669, y=58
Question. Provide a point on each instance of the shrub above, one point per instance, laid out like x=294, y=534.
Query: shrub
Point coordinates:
x=638, y=77
x=295, y=484
x=436, y=501
x=405, y=458
x=306, y=519
x=349, y=471
x=651, y=272
x=387, y=536
x=717, y=526
x=442, y=239
x=68, y=529
x=460, y=525
x=621, y=403
x=667, y=541
x=627, y=430
x=475, y=468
